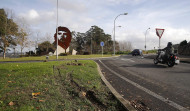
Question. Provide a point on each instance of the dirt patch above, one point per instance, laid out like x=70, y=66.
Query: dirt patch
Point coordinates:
x=75, y=64
x=139, y=105
x=73, y=90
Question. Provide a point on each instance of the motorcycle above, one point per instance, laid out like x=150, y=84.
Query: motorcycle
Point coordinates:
x=170, y=60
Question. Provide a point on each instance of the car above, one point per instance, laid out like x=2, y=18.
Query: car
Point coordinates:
x=137, y=52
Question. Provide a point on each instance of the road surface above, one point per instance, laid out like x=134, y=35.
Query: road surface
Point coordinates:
x=148, y=86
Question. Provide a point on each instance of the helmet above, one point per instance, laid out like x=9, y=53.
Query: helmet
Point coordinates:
x=169, y=44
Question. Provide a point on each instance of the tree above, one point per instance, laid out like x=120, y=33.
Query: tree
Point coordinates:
x=183, y=43
x=125, y=46
x=8, y=31
x=36, y=39
x=78, y=41
x=22, y=40
x=73, y=44
x=97, y=35
x=23, y=34
x=83, y=42
x=45, y=47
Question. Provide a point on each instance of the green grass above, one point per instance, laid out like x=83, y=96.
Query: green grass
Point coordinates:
x=150, y=52
x=53, y=57
x=65, y=85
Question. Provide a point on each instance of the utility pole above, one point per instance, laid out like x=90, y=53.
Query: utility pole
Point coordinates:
x=57, y=33
x=145, y=39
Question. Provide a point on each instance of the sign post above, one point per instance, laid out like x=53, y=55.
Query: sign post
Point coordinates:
x=159, y=33
x=102, y=45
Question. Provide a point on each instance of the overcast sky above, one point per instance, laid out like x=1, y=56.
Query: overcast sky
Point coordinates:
x=80, y=15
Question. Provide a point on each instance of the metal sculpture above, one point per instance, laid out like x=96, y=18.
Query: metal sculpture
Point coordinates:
x=65, y=39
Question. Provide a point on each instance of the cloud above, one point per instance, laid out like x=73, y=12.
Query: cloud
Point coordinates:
x=80, y=15
x=34, y=17
x=33, y=14
x=138, y=38
x=74, y=6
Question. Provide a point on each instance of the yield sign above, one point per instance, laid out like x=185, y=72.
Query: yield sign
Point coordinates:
x=159, y=32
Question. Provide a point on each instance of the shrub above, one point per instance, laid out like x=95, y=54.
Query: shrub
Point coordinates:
x=63, y=54
x=86, y=53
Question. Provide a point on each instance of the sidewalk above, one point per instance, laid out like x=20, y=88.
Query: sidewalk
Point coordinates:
x=184, y=59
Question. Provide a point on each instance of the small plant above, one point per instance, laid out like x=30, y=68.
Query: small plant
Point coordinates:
x=63, y=54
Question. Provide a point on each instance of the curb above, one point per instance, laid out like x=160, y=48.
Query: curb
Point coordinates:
x=125, y=103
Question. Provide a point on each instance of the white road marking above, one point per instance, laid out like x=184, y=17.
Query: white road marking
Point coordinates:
x=167, y=101
x=128, y=60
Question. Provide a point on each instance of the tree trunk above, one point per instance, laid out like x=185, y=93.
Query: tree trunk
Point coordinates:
x=4, y=53
x=21, y=51
x=47, y=49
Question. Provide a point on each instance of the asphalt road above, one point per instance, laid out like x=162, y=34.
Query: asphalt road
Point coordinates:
x=148, y=86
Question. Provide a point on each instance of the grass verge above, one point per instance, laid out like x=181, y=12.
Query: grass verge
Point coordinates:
x=65, y=85
x=53, y=57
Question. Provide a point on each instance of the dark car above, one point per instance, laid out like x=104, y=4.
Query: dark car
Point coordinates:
x=136, y=52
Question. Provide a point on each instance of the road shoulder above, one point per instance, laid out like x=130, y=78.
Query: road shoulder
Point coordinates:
x=125, y=102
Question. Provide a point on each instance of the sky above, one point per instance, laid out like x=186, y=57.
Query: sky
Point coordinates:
x=80, y=15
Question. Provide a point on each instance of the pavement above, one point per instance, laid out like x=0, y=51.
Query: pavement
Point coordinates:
x=147, y=86
x=125, y=102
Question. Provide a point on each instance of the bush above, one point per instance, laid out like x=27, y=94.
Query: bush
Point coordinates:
x=123, y=52
x=86, y=53
x=63, y=54
x=108, y=52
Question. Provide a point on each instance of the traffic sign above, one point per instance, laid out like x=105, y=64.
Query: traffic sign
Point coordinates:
x=102, y=44
x=159, y=32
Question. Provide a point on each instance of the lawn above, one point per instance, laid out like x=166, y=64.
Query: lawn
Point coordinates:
x=65, y=85
x=54, y=57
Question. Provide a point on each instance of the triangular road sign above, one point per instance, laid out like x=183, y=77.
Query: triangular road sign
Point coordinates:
x=159, y=32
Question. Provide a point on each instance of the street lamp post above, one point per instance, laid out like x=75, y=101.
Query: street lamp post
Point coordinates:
x=57, y=33
x=116, y=26
x=145, y=39
x=114, y=30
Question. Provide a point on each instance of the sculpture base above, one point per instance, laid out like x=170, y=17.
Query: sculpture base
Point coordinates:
x=60, y=50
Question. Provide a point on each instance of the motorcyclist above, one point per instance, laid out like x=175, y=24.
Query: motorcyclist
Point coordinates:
x=166, y=51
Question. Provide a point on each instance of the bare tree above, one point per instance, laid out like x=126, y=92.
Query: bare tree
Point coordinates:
x=23, y=36
x=48, y=37
x=37, y=39
x=30, y=45
x=125, y=46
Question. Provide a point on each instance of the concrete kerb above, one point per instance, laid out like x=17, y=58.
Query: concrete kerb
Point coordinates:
x=126, y=103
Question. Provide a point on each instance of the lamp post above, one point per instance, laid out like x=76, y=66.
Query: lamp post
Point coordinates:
x=145, y=39
x=114, y=30
x=57, y=33
x=116, y=26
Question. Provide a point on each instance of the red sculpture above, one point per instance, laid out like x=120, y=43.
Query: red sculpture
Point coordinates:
x=65, y=39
